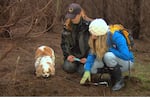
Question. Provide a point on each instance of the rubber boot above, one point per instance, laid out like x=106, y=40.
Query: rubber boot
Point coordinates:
x=117, y=79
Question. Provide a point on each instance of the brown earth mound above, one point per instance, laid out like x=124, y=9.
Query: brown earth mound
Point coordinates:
x=18, y=78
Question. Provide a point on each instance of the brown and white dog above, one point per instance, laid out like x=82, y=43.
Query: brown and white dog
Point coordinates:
x=44, y=61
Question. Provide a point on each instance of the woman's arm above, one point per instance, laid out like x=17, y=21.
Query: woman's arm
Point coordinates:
x=89, y=62
x=65, y=43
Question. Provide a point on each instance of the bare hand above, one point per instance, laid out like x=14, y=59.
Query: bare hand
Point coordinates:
x=83, y=60
x=70, y=58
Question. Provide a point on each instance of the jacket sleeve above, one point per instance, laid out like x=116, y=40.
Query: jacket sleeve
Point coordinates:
x=89, y=62
x=65, y=43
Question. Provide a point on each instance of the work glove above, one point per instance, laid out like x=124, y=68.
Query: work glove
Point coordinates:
x=86, y=76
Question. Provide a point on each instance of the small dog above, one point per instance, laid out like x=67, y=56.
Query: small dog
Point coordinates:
x=45, y=61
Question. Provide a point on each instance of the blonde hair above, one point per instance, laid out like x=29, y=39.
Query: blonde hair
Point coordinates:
x=99, y=45
x=83, y=15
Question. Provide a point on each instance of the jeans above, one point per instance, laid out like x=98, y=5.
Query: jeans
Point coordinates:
x=72, y=67
x=111, y=61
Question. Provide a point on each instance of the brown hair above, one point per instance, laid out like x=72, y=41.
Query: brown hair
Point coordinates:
x=83, y=15
x=98, y=46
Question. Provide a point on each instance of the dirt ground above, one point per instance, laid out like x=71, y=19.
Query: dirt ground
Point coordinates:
x=17, y=71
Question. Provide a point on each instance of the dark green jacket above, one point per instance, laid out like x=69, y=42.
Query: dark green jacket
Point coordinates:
x=75, y=42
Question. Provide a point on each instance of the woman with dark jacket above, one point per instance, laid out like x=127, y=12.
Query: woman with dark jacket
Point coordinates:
x=75, y=38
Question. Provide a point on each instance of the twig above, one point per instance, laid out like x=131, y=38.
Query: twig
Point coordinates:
x=31, y=26
x=17, y=62
x=34, y=20
x=5, y=26
x=40, y=33
x=41, y=10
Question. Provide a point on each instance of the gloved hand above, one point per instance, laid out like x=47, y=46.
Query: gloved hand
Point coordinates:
x=86, y=76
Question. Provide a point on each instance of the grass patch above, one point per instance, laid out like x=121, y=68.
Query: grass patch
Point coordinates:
x=142, y=72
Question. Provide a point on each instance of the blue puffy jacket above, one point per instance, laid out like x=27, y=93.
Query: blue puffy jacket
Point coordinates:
x=117, y=45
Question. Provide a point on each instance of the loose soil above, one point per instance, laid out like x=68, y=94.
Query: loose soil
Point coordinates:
x=17, y=71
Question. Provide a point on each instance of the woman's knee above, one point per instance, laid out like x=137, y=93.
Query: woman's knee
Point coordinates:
x=110, y=59
x=127, y=67
x=69, y=67
x=94, y=70
x=97, y=64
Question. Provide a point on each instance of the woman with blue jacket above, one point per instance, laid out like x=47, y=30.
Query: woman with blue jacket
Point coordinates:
x=109, y=48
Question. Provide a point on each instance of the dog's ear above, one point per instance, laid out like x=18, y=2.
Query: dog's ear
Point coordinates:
x=52, y=70
x=48, y=51
x=39, y=71
x=38, y=53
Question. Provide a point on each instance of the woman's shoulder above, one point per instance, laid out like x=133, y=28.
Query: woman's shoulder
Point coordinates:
x=117, y=36
x=86, y=22
x=117, y=33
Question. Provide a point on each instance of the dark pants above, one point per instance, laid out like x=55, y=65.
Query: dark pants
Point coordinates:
x=72, y=67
